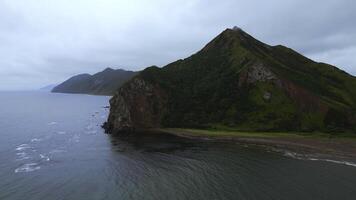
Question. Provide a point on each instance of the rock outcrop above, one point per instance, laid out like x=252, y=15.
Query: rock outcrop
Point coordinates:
x=137, y=105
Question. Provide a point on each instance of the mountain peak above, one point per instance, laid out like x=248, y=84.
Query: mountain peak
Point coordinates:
x=237, y=33
x=108, y=69
x=232, y=38
x=236, y=28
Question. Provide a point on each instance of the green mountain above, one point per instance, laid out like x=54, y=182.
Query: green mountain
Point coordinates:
x=237, y=81
x=102, y=83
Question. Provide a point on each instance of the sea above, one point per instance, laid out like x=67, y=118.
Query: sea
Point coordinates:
x=52, y=147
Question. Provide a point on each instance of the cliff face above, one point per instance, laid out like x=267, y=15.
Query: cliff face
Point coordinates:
x=238, y=81
x=137, y=105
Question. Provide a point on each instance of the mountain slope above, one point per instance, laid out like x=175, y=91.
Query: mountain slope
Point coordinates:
x=102, y=83
x=240, y=82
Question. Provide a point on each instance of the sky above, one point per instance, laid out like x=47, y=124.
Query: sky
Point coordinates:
x=46, y=41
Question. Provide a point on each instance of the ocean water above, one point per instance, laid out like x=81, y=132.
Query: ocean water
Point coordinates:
x=52, y=147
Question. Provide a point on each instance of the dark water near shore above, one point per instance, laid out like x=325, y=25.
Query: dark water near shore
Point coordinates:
x=52, y=147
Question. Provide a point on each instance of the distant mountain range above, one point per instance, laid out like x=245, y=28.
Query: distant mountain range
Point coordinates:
x=102, y=83
x=237, y=81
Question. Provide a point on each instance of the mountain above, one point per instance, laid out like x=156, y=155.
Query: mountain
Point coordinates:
x=48, y=88
x=237, y=81
x=102, y=83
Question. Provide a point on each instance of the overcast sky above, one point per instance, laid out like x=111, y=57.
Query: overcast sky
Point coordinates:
x=47, y=41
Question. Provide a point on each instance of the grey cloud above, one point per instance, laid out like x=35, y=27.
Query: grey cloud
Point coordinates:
x=45, y=42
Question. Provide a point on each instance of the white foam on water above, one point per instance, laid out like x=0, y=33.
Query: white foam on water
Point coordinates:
x=334, y=161
x=52, y=123
x=29, y=167
x=290, y=154
x=61, y=132
x=21, y=154
x=22, y=147
x=44, y=157
x=36, y=140
x=310, y=158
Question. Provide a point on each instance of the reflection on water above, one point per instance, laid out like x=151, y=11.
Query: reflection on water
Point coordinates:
x=159, y=166
x=52, y=147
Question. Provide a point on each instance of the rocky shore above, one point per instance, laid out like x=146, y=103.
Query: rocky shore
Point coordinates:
x=322, y=146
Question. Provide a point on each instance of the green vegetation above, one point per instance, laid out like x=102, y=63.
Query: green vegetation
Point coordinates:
x=238, y=82
x=102, y=83
x=208, y=89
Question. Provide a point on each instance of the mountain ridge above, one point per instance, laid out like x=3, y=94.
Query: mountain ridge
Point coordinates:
x=105, y=82
x=237, y=81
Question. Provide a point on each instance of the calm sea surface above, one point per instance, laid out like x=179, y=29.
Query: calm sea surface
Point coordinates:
x=52, y=147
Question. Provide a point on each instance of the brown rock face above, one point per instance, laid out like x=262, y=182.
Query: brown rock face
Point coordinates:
x=137, y=105
x=261, y=73
x=305, y=99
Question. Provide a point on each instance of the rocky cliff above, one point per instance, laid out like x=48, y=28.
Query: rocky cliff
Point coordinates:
x=237, y=81
x=137, y=105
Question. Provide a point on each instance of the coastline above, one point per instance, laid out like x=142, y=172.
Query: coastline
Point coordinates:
x=310, y=146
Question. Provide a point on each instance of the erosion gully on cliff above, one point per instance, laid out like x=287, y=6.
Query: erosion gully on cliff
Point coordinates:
x=237, y=81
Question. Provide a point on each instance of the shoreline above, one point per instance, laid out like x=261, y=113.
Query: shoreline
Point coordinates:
x=302, y=146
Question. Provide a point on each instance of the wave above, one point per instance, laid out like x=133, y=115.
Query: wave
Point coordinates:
x=334, y=161
x=36, y=140
x=46, y=158
x=311, y=158
x=22, y=147
x=29, y=167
